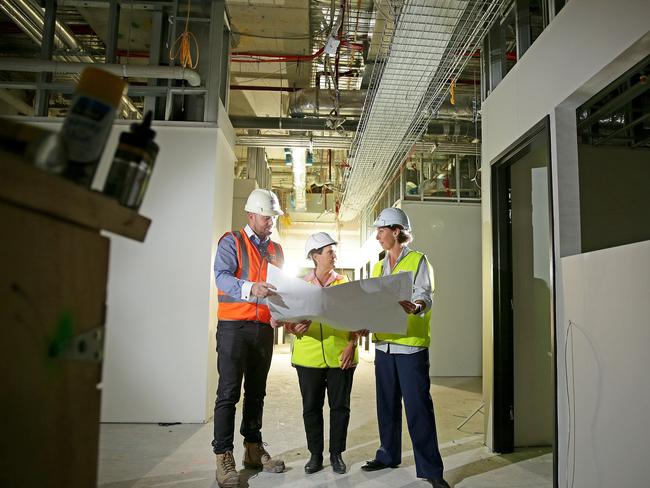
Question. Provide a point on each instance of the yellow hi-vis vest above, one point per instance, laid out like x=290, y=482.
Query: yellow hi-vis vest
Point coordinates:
x=418, y=330
x=321, y=346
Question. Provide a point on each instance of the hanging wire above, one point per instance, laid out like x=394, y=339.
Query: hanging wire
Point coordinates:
x=182, y=46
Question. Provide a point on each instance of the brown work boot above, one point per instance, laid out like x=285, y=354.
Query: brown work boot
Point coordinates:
x=227, y=475
x=256, y=457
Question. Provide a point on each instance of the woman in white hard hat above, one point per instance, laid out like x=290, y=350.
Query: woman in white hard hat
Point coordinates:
x=402, y=361
x=325, y=359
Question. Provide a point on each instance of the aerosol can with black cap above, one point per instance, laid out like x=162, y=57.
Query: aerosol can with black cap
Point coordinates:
x=132, y=165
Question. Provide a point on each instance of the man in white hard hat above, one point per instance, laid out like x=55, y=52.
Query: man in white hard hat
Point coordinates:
x=402, y=361
x=245, y=336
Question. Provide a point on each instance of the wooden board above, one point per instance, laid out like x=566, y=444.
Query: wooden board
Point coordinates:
x=52, y=285
x=28, y=186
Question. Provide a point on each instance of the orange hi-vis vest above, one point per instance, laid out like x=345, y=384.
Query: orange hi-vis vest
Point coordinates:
x=251, y=266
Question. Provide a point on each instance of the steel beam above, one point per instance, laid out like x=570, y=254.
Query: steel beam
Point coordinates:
x=287, y=123
x=485, y=68
x=224, y=91
x=42, y=99
x=435, y=128
x=112, y=30
x=522, y=22
x=133, y=4
x=497, y=55
x=622, y=129
x=216, y=68
x=625, y=97
x=154, y=56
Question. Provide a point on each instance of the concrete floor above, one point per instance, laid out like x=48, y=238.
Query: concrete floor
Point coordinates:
x=148, y=455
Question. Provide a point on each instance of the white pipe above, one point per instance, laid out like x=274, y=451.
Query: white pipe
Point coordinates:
x=123, y=70
x=31, y=19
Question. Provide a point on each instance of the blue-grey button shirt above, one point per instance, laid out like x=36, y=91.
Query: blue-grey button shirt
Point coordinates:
x=225, y=266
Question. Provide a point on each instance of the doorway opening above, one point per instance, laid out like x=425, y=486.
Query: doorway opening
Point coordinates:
x=524, y=338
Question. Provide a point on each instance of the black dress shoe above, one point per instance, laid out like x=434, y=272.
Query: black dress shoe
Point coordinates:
x=441, y=483
x=374, y=465
x=338, y=466
x=315, y=464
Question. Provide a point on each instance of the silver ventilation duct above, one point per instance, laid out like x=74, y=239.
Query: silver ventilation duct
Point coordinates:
x=313, y=102
x=317, y=142
x=430, y=46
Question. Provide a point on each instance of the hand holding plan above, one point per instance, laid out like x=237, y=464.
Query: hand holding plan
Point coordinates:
x=366, y=304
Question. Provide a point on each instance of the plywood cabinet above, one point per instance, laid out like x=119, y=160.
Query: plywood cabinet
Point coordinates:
x=54, y=265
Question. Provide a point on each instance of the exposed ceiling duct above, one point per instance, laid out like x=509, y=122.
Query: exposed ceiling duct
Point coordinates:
x=313, y=102
x=316, y=142
x=448, y=148
x=295, y=141
x=30, y=18
x=429, y=48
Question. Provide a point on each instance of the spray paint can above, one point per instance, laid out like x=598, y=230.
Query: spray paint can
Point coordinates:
x=88, y=123
x=132, y=165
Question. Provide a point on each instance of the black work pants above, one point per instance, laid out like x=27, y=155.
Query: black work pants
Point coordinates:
x=313, y=384
x=244, y=351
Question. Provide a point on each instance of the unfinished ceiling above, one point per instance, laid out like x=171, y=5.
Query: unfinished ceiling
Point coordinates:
x=304, y=76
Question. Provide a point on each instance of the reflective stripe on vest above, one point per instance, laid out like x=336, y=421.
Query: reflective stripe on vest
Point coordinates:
x=418, y=329
x=251, y=266
x=321, y=346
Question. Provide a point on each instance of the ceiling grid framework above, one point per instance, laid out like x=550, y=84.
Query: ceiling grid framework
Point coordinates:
x=429, y=47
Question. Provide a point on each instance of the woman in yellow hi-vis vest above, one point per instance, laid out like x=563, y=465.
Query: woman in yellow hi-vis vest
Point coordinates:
x=325, y=359
x=402, y=361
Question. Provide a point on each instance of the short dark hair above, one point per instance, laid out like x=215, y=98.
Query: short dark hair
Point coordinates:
x=404, y=236
x=316, y=251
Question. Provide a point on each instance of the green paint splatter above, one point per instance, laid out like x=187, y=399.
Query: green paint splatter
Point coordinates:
x=62, y=335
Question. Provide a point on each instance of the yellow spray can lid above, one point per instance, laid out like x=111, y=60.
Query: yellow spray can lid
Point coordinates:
x=101, y=84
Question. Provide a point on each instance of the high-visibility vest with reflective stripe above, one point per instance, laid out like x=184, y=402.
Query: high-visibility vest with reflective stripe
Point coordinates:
x=321, y=346
x=251, y=266
x=418, y=330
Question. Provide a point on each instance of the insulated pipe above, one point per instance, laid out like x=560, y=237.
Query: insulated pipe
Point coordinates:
x=19, y=18
x=123, y=70
x=62, y=33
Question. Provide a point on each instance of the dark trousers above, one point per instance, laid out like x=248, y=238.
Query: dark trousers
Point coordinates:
x=313, y=384
x=244, y=351
x=406, y=376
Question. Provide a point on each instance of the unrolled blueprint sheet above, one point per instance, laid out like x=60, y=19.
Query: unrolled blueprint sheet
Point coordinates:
x=367, y=304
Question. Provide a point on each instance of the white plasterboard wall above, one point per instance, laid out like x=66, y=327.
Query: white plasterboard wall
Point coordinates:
x=159, y=364
x=606, y=301
x=450, y=236
x=160, y=349
x=588, y=45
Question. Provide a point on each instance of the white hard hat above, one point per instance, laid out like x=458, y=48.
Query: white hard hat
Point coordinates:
x=317, y=241
x=393, y=216
x=263, y=202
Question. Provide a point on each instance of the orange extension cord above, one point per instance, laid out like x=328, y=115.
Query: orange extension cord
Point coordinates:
x=182, y=46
